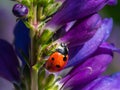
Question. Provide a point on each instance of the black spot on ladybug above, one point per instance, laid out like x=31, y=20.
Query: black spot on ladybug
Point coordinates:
x=64, y=58
x=52, y=59
x=58, y=66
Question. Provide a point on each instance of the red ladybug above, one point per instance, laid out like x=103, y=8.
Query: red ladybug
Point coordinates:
x=57, y=60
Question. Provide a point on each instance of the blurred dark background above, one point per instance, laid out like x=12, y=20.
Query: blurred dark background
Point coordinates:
x=7, y=23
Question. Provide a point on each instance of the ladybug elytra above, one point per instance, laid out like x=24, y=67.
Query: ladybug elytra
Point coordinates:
x=57, y=60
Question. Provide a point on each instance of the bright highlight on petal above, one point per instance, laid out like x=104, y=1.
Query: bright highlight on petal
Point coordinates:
x=90, y=46
x=105, y=83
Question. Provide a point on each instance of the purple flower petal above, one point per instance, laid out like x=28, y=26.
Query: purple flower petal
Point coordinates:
x=8, y=62
x=105, y=83
x=94, y=66
x=82, y=31
x=75, y=9
x=110, y=46
x=22, y=40
x=61, y=32
x=91, y=45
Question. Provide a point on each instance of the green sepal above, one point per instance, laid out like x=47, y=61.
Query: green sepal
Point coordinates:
x=41, y=75
x=50, y=80
x=28, y=25
x=51, y=9
x=41, y=78
x=44, y=3
x=45, y=37
x=42, y=17
x=55, y=87
x=26, y=3
x=50, y=50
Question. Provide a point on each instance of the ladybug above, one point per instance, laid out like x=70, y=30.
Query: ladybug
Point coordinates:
x=57, y=60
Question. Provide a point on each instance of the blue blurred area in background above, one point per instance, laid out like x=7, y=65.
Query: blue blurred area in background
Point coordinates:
x=7, y=20
x=7, y=23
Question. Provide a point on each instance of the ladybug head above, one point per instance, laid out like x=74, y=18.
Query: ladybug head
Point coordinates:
x=62, y=49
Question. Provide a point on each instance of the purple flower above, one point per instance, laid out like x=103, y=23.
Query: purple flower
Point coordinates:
x=77, y=9
x=93, y=67
x=20, y=10
x=85, y=76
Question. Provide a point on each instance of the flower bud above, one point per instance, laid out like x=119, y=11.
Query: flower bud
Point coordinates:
x=20, y=10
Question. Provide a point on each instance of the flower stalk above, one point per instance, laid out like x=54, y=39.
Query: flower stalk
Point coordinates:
x=33, y=50
x=40, y=39
x=34, y=79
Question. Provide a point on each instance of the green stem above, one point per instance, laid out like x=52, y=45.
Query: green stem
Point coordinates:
x=34, y=79
x=34, y=71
